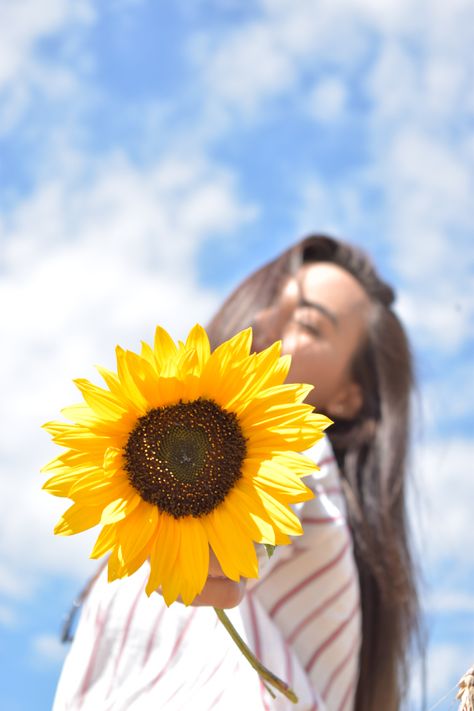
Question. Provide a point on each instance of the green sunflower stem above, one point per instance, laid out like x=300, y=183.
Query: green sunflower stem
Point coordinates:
x=269, y=679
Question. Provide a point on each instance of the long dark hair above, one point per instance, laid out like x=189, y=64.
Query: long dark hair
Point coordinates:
x=371, y=451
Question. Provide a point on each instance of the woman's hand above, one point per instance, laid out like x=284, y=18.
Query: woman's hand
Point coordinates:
x=219, y=591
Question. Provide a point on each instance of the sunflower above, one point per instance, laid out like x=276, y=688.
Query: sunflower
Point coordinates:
x=186, y=450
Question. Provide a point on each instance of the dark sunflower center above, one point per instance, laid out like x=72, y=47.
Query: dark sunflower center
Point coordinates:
x=185, y=458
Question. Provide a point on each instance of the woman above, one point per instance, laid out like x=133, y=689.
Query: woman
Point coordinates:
x=305, y=615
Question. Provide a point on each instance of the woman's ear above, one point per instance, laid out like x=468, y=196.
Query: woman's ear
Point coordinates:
x=346, y=403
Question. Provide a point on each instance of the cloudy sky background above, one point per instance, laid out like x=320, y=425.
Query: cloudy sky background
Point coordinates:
x=151, y=155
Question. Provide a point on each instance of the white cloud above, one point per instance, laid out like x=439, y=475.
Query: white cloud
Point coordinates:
x=433, y=182
x=242, y=78
x=420, y=87
x=261, y=59
x=423, y=170
x=25, y=71
x=327, y=102
x=8, y=616
x=25, y=22
x=392, y=83
x=451, y=601
x=11, y=582
x=47, y=650
x=265, y=56
x=449, y=400
x=88, y=263
x=441, y=507
x=445, y=665
x=428, y=182
x=336, y=210
x=439, y=313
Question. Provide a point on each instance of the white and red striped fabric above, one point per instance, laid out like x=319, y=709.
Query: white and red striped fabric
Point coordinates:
x=302, y=619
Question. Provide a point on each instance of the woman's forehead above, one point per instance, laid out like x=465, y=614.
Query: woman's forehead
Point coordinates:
x=328, y=284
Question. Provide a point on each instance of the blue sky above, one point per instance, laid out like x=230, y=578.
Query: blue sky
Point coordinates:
x=151, y=155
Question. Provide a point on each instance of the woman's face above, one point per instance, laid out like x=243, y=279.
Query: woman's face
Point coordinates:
x=321, y=319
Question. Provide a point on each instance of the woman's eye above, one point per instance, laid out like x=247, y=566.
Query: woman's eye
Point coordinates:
x=307, y=322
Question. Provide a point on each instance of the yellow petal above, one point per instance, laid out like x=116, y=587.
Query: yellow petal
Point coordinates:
x=78, y=437
x=77, y=518
x=113, y=460
x=265, y=364
x=279, y=372
x=251, y=517
x=112, y=381
x=131, y=391
x=187, y=364
x=298, y=463
x=163, y=554
x=271, y=418
x=198, y=341
x=234, y=551
x=165, y=353
x=116, y=567
x=221, y=383
x=118, y=509
x=73, y=458
x=280, y=514
x=131, y=565
x=236, y=348
x=147, y=353
x=80, y=414
x=96, y=490
x=105, y=541
x=279, y=481
x=193, y=557
x=143, y=374
x=136, y=530
x=168, y=391
x=60, y=484
x=273, y=398
x=102, y=402
x=284, y=438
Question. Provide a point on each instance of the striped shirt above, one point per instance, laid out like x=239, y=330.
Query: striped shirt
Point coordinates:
x=301, y=618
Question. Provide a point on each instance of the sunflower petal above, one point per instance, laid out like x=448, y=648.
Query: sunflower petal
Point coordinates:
x=281, y=515
x=163, y=556
x=127, y=381
x=99, y=490
x=105, y=541
x=165, y=352
x=199, y=342
x=60, y=484
x=118, y=509
x=247, y=511
x=277, y=480
x=136, y=530
x=193, y=557
x=234, y=551
x=102, y=403
x=77, y=518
